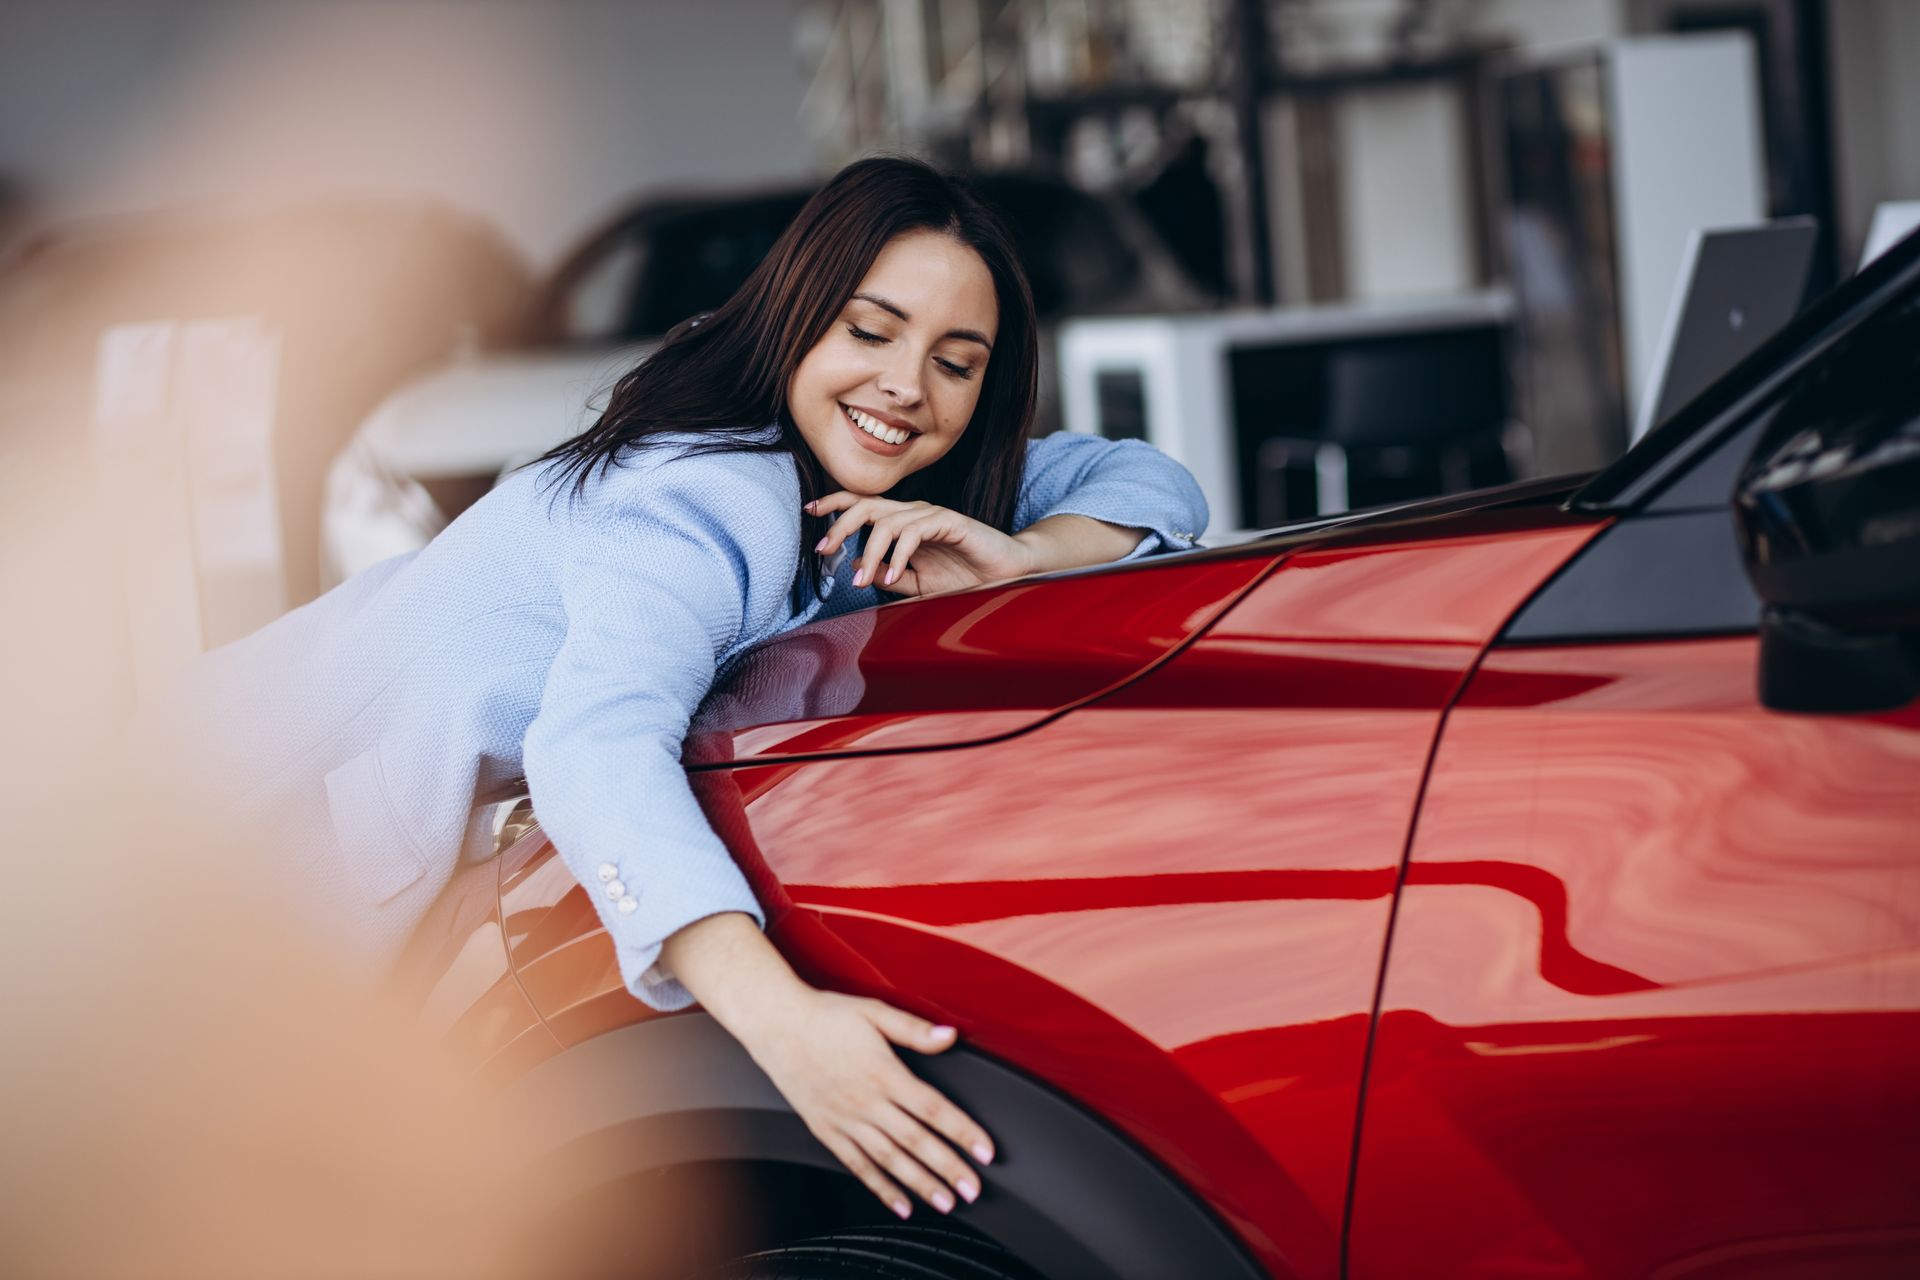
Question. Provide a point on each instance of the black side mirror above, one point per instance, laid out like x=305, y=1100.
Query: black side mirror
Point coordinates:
x=1828, y=509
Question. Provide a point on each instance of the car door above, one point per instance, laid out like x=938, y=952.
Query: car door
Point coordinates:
x=1652, y=1003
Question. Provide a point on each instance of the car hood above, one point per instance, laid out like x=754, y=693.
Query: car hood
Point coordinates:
x=481, y=415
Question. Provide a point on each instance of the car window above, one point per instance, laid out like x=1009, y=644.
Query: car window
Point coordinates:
x=1671, y=565
x=597, y=306
x=1698, y=435
x=671, y=263
x=698, y=260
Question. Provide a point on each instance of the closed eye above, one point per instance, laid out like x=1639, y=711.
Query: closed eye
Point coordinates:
x=948, y=367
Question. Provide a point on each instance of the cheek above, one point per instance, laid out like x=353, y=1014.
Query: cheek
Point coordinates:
x=822, y=361
x=958, y=403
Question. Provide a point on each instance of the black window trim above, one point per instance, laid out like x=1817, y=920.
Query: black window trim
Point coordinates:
x=1691, y=434
x=1622, y=587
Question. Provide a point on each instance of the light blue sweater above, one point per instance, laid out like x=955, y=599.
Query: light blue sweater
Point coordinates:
x=568, y=641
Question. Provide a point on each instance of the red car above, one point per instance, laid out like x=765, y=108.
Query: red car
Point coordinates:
x=1520, y=884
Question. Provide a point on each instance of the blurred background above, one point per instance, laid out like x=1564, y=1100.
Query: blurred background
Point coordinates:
x=289, y=284
x=286, y=284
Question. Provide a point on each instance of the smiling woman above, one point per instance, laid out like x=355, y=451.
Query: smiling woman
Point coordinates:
x=899, y=372
x=873, y=379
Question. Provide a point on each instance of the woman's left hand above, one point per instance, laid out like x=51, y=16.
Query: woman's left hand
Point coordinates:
x=934, y=548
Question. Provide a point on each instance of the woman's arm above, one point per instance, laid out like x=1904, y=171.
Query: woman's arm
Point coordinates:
x=1069, y=541
x=1083, y=500
x=830, y=1056
x=657, y=586
x=1124, y=484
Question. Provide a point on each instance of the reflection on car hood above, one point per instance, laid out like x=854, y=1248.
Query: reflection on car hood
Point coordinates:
x=477, y=416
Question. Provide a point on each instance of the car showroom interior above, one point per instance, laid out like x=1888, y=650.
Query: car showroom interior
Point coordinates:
x=1401, y=758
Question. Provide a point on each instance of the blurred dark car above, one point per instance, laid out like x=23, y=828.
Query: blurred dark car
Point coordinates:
x=657, y=264
x=439, y=442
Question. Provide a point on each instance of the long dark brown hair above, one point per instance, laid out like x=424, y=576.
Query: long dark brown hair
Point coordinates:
x=726, y=374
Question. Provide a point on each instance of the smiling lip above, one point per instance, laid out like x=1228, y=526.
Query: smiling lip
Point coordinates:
x=900, y=423
x=874, y=443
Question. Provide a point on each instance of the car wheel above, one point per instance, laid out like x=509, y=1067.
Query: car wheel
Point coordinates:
x=881, y=1253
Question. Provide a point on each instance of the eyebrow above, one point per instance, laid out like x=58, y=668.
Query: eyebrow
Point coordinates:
x=969, y=335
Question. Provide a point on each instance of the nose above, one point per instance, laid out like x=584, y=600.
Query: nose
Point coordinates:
x=901, y=379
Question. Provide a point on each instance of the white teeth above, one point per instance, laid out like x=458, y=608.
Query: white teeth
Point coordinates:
x=874, y=427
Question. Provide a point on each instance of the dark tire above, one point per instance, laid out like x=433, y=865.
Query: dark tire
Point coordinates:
x=882, y=1253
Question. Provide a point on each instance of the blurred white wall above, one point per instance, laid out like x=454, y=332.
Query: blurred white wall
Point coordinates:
x=1873, y=51
x=539, y=116
x=1406, y=208
x=1405, y=205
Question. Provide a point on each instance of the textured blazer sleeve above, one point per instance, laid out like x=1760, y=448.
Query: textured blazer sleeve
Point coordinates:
x=658, y=583
x=1126, y=482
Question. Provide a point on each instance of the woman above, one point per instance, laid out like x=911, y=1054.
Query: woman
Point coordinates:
x=869, y=387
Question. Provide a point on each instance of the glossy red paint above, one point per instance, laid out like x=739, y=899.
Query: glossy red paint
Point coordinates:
x=964, y=667
x=1170, y=901
x=1653, y=1003
x=455, y=974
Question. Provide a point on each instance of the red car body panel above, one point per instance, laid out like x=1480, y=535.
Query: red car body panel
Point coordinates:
x=456, y=974
x=1170, y=901
x=1653, y=1002
x=946, y=671
x=960, y=668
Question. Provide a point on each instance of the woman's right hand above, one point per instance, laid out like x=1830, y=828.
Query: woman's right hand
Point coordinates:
x=831, y=1056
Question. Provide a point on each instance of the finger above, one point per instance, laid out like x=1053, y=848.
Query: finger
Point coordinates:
x=902, y=553
x=842, y=528
x=861, y=512
x=936, y=525
x=838, y=500
x=910, y=1031
x=848, y=1153
x=942, y=1160
x=879, y=538
x=892, y=1157
x=887, y=530
x=931, y=1107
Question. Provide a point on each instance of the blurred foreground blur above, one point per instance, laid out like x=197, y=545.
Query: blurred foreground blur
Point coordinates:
x=189, y=1088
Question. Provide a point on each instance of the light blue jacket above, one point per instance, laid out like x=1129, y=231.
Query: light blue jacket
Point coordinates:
x=569, y=641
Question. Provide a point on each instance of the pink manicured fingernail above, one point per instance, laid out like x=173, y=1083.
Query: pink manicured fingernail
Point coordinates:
x=820, y=545
x=983, y=1153
x=891, y=575
x=943, y=1202
x=942, y=1032
x=902, y=1208
x=969, y=1190
x=860, y=578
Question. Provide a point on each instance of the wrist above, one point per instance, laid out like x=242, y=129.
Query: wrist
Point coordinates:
x=735, y=973
x=1069, y=541
x=1039, y=550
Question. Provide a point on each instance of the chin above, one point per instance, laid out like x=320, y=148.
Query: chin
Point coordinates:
x=864, y=478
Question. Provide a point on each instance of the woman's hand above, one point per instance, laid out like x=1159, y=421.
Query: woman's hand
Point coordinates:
x=832, y=1057
x=934, y=548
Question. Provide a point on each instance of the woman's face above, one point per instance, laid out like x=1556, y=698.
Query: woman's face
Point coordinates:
x=893, y=383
